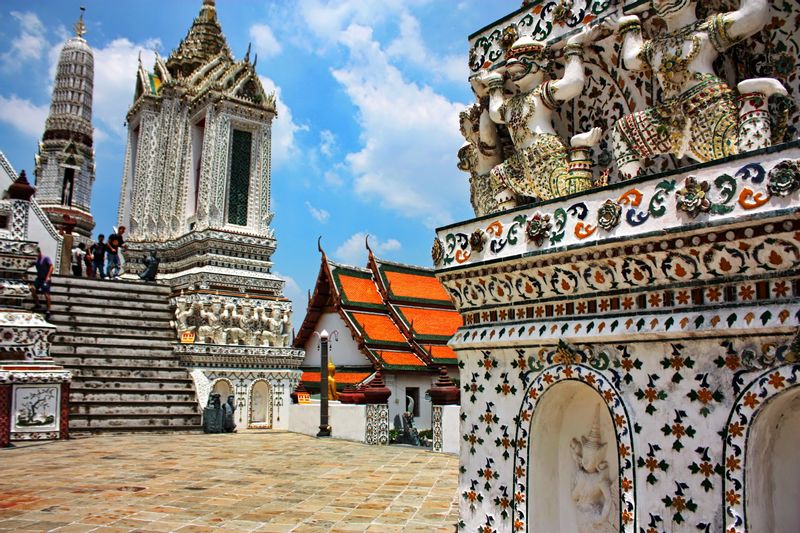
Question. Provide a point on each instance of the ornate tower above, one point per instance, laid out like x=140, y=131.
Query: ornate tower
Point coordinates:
x=65, y=168
x=197, y=170
x=196, y=190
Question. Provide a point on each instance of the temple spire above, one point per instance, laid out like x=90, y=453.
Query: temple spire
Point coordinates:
x=80, y=27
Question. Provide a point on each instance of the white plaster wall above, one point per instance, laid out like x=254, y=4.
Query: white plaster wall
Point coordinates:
x=397, y=383
x=41, y=230
x=347, y=421
x=451, y=432
x=281, y=414
x=343, y=352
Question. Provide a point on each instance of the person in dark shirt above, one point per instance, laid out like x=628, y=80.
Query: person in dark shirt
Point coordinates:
x=41, y=285
x=115, y=242
x=98, y=250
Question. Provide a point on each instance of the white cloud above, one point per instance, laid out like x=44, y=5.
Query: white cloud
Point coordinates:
x=410, y=46
x=266, y=45
x=327, y=142
x=284, y=145
x=409, y=132
x=299, y=300
x=30, y=44
x=115, y=68
x=23, y=115
x=353, y=251
x=319, y=214
x=328, y=18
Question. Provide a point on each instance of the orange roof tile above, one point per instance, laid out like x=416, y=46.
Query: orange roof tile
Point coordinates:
x=360, y=290
x=415, y=286
x=440, y=352
x=378, y=327
x=400, y=358
x=341, y=377
x=432, y=321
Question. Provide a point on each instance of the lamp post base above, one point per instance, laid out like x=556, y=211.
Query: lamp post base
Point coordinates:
x=324, y=431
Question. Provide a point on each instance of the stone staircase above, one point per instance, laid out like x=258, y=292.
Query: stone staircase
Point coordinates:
x=115, y=338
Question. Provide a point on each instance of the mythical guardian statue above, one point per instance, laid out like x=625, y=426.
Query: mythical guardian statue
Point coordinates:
x=541, y=167
x=698, y=116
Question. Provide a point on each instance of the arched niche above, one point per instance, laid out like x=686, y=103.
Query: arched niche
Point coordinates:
x=573, y=463
x=772, y=466
x=261, y=404
x=224, y=388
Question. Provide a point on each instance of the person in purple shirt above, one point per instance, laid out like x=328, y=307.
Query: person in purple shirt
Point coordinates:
x=41, y=285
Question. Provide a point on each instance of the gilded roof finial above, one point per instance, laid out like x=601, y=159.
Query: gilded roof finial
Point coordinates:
x=80, y=27
x=208, y=3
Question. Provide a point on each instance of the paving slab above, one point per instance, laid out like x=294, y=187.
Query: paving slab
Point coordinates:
x=251, y=481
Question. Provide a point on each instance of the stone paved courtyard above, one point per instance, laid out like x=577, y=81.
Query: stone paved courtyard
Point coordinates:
x=269, y=481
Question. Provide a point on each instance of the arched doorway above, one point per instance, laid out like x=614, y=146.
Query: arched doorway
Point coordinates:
x=772, y=467
x=261, y=405
x=573, y=463
x=224, y=388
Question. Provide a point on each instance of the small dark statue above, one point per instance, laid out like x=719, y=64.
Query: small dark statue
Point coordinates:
x=212, y=415
x=228, y=424
x=408, y=434
x=150, y=267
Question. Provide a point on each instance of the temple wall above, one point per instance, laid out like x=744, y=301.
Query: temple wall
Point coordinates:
x=347, y=421
x=634, y=344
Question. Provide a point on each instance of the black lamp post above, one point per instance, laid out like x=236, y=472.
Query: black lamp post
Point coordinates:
x=324, y=427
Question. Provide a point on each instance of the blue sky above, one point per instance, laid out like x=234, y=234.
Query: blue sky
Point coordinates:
x=369, y=93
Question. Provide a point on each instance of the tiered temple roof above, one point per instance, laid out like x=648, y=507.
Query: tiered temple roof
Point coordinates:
x=203, y=64
x=399, y=315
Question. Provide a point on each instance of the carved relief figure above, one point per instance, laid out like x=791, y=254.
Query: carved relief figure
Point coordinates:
x=247, y=324
x=481, y=152
x=275, y=327
x=183, y=313
x=211, y=331
x=231, y=320
x=541, y=168
x=699, y=116
x=591, y=491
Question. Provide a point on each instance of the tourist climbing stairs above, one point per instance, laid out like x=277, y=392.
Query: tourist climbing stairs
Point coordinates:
x=116, y=339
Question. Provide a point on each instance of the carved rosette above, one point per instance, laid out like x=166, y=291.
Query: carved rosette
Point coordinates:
x=437, y=251
x=784, y=178
x=477, y=240
x=609, y=214
x=693, y=198
x=538, y=228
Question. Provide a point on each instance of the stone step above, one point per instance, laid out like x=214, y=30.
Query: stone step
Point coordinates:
x=119, y=430
x=121, y=374
x=131, y=323
x=164, y=331
x=110, y=361
x=133, y=408
x=59, y=292
x=100, y=304
x=110, y=340
x=101, y=315
x=106, y=284
x=109, y=351
x=119, y=326
x=117, y=396
x=121, y=422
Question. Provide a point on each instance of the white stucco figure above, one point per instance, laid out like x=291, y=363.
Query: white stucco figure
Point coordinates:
x=591, y=492
x=699, y=116
x=541, y=167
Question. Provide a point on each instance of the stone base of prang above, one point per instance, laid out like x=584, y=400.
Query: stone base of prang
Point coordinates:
x=631, y=364
x=260, y=379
